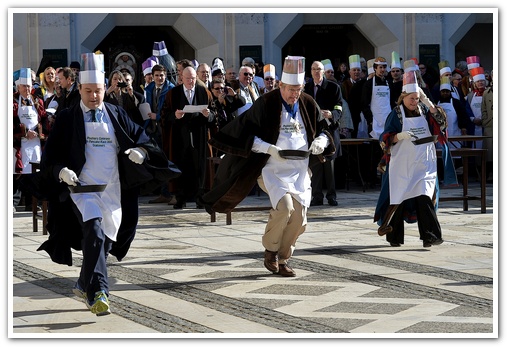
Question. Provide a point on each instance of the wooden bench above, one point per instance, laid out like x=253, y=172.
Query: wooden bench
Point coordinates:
x=42, y=215
x=465, y=153
x=213, y=161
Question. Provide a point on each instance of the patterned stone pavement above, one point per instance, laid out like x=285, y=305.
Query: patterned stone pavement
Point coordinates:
x=186, y=276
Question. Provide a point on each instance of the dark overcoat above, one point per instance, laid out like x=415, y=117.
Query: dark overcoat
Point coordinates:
x=238, y=171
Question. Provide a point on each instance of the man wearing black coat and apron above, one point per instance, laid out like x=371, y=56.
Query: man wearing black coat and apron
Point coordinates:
x=86, y=147
x=283, y=119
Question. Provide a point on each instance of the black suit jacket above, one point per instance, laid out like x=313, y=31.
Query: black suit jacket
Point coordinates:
x=329, y=97
x=66, y=148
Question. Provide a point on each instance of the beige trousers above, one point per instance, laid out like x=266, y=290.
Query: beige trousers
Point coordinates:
x=285, y=224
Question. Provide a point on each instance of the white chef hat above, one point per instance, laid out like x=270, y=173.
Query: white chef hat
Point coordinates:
x=473, y=61
x=445, y=83
x=25, y=76
x=410, y=82
x=355, y=61
x=269, y=70
x=327, y=64
x=293, y=70
x=444, y=67
x=92, y=68
x=395, y=60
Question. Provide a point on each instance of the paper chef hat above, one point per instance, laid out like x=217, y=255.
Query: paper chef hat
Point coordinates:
x=159, y=49
x=327, y=64
x=478, y=74
x=380, y=61
x=269, y=71
x=370, y=63
x=293, y=70
x=410, y=82
x=218, y=67
x=148, y=64
x=409, y=65
x=92, y=68
x=444, y=67
x=473, y=61
x=445, y=83
x=25, y=76
x=355, y=61
x=395, y=60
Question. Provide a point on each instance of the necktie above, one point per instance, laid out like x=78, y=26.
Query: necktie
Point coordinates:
x=317, y=88
x=189, y=96
x=253, y=95
x=157, y=96
x=96, y=115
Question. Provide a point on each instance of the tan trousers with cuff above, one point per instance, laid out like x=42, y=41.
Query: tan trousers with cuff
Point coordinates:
x=285, y=224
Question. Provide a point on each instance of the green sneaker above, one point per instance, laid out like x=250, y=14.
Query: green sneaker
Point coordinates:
x=100, y=304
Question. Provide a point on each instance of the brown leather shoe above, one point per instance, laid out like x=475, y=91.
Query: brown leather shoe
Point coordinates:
x=160, y=200
x=271, y=261
x=286, y=271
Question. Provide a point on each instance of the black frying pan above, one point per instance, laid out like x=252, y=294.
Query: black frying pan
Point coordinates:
x=91, y=188
x=294, y=154
x=423, y=140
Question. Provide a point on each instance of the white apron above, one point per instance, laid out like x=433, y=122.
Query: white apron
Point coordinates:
x=30, y=149
x=452, y=122
x=289, y=176
x=412, y=168
x=101, y=167
x=475, y=105
x=380, y=107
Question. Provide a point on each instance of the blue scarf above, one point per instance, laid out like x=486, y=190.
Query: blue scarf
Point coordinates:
x=291, y=110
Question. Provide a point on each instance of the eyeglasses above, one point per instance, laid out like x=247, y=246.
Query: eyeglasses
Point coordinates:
x=297, y=91
x=269, y=79
x=316, y=69
x=221, y=88
x=247, y=74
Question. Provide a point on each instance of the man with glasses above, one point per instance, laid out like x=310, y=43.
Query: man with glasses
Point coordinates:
x=246, y=88
x=328, y=96
x=203, y=74
x=269, y=78
x=283, y=119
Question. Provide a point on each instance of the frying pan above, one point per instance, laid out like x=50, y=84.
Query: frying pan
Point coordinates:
x=294, y=154
x=91, y=188
x=420, y=141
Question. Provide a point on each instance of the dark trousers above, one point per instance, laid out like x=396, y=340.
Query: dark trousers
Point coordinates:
x=427, y=221
x=321, y=172
x=96, y=246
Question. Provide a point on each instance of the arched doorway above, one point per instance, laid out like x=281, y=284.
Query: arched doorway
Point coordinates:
x=138, y=42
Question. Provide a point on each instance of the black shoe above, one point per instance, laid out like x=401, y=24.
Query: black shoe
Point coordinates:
x=432, y=242
x=179, y=205
x=332, y=202
x=395, y=244
x=316, y=203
